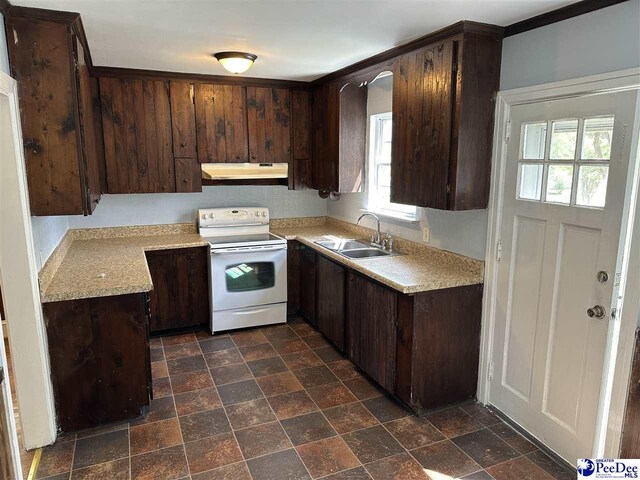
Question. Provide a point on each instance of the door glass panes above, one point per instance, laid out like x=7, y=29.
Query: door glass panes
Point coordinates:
x=535, y=136
x=559, y=180
x=570, y=166
x=563, y=139
x=592, y=185
x=244, y=277
x=596, y=138
x=531, y=181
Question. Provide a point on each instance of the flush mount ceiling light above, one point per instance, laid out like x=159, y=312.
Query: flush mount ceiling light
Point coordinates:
x=236, y=62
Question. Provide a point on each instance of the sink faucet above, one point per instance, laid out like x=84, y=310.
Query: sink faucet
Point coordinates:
x=376, y=240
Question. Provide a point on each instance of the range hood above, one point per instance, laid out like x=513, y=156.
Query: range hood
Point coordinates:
x=244, y=171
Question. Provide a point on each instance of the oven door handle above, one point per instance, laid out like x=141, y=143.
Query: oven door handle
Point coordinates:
x=228, y=251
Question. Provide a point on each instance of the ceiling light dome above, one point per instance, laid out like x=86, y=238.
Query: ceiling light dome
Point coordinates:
x=236, y=62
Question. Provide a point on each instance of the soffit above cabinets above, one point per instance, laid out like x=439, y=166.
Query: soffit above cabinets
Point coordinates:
x=294, y=40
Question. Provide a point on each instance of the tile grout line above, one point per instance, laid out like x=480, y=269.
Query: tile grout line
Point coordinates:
x=318, y=407
x=272, y=411
x=223, y=409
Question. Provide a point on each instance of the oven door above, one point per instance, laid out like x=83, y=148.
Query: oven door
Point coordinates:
x=245, y=278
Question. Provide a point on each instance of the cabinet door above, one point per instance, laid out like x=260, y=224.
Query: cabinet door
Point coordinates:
x=91, y=179
x=100, y=365
x=73, y=363
x=221, y=123
x=325, y=130
x=41, y=62
x=371, y=320
x=164, y=298
x=293, y=277
x=180, y=295
x=122, y=346
x=308, y=284
x=423, y=96
x=269, y=126
x=136, y=122
x=339, y=119
x=331, y=301
x=183, y=126
x=193, y=281
x=301, y=167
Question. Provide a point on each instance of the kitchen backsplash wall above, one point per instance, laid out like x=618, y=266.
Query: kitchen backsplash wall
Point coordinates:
x=47, y=233
x=156, y=208
x=459, y=232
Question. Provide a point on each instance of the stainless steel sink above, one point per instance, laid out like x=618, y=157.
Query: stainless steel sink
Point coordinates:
x=354, y=248
x=339, y=245
x=365, y=253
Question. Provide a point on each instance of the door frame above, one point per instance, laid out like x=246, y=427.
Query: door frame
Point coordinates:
x=19, y=279
x=620, y=338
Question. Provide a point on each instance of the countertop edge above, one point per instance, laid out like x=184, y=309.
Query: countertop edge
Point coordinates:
x=365, y=271
x=115, y=291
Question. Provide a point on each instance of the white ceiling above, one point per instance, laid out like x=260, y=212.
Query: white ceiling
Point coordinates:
x=294, y=39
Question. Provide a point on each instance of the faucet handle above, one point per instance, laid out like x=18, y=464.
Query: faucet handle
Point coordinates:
x=387, y=242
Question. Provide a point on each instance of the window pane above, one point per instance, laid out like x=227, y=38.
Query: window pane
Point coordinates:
x=530, y=181
x=559, y=180
x=596, y=140
x=384, y=175
x=385, y=153
x=535, y=135
x=592, y=185
x=563, y=140
x=386, y=131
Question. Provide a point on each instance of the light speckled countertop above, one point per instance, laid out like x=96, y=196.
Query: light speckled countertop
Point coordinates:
x=420, y=268
x=111, y=261
x=100, y=267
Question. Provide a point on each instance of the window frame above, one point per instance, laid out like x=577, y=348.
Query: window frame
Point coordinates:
x=374, y=130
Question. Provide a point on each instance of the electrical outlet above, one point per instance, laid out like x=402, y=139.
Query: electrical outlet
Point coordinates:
x=425, y=234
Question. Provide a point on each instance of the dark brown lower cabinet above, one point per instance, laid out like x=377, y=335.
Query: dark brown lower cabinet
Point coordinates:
x=423, y=348
x=371, y=320
x=439, y=353
x=180, y=295
x=100, y=365
x=307, y=276
x=293, y=277
x=330, y=301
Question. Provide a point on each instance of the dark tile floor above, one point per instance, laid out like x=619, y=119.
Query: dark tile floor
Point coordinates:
x=280, y=403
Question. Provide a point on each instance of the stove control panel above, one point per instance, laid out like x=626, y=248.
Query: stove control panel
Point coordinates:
x=231, y=217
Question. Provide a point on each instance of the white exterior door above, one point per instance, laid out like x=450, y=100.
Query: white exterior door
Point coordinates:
x=565, y=178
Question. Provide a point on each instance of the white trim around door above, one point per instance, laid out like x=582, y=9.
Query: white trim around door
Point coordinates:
x=620, y=335
x=19, y=280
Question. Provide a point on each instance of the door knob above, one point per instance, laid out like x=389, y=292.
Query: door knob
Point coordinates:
x=596, y=312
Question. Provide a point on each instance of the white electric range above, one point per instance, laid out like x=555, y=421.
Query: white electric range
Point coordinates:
x=247, y=268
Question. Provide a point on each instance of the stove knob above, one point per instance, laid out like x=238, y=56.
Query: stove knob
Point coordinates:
x=211, y=215
x=203, y=216
x=264, y=214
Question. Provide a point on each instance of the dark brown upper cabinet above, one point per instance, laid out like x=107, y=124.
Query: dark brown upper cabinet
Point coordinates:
x=302, y=167
x=183, y=126
x=269, y=124
x=339, y=126
x=50, y=64
x=221, y=123
x=443, y=108
x=136, y=123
